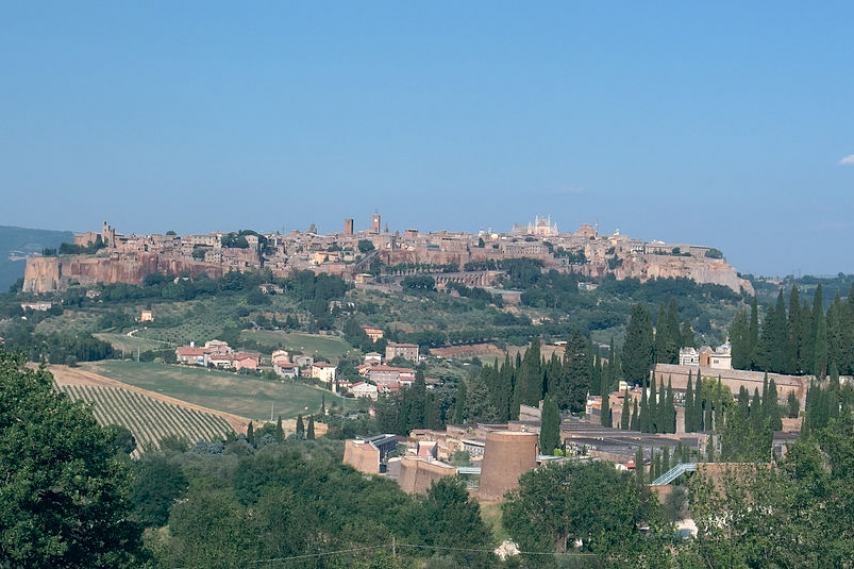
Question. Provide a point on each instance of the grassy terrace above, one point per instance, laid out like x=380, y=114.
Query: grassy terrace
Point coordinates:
x=331, y=347
x=239, y=394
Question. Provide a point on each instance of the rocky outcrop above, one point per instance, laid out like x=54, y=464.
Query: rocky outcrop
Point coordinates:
x=699, y=270
x=50, y=274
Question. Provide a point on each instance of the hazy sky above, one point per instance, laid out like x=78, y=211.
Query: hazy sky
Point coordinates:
x=727, y=124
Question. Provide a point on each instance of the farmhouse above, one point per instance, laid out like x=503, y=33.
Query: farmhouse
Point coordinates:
x=323, y=371
x=364, y=389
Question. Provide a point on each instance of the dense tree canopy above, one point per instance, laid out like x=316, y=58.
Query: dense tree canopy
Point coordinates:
x=62, y=492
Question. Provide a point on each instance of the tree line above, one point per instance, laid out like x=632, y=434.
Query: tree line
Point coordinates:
x=796, y=339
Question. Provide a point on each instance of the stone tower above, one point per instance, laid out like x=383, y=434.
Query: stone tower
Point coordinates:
x=506, y=456
x=375, y=224
x=348, y=227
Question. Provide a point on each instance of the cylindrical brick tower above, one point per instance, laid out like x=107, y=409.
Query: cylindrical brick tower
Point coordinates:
x=506, y=457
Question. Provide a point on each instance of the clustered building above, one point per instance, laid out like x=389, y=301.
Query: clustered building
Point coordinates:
x=476, y=256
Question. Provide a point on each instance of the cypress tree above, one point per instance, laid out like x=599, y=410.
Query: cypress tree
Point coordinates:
x=460, y=404
x=674, y=335
x=280, y=432
x=300, y=427
x=309, y=434
x=639, y=473
x=817, y=357
x=250, y=434
x=699, y=419
x=793, y=405
x=794, y=336
x=643, y=417
x=613, y=381
x=549, y=427
x=671, y=408
x=689, y=405
x=649, y=419
x=753, y=332
x=638, y=348
x=740, y=342
x=778, y=335
x=635, y=419
x=656, y=465
x=576, y=378
x=820, y=347
x=661, y=336
x=323, y=404
x=772, y=406
x=625, y=412
x=605, y=412
x=665, y=460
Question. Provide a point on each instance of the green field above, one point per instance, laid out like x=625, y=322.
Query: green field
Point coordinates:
x=331, y=347
x=238, y=394
x=129, y=344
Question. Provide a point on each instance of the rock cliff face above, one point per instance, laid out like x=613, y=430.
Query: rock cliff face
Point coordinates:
x=49, y=274
x=702, y=271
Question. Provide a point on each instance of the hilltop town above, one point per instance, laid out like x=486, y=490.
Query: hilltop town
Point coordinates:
x=108, y=256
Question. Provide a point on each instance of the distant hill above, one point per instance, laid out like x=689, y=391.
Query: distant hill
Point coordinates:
x=17, y=242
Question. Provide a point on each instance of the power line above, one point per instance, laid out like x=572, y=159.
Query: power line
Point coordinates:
x=408, y=546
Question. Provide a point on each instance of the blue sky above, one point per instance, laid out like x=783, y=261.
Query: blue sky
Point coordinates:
x=725, y=123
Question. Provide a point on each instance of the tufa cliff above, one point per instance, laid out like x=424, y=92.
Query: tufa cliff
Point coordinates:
x=49, y=274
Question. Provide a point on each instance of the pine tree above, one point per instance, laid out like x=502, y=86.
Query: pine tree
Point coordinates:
x=250, y=434
x=309, y=434
x=549, y=427
x=625, y=412
x=280, y=432
x=638, y=349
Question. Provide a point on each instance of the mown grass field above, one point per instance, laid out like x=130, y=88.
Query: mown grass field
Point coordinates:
x=238, y=394
x=148, y=419
x=331, y=347
x=129, y=344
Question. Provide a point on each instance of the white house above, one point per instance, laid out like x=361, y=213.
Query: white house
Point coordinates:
x=323, y=371
x=364, y=389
